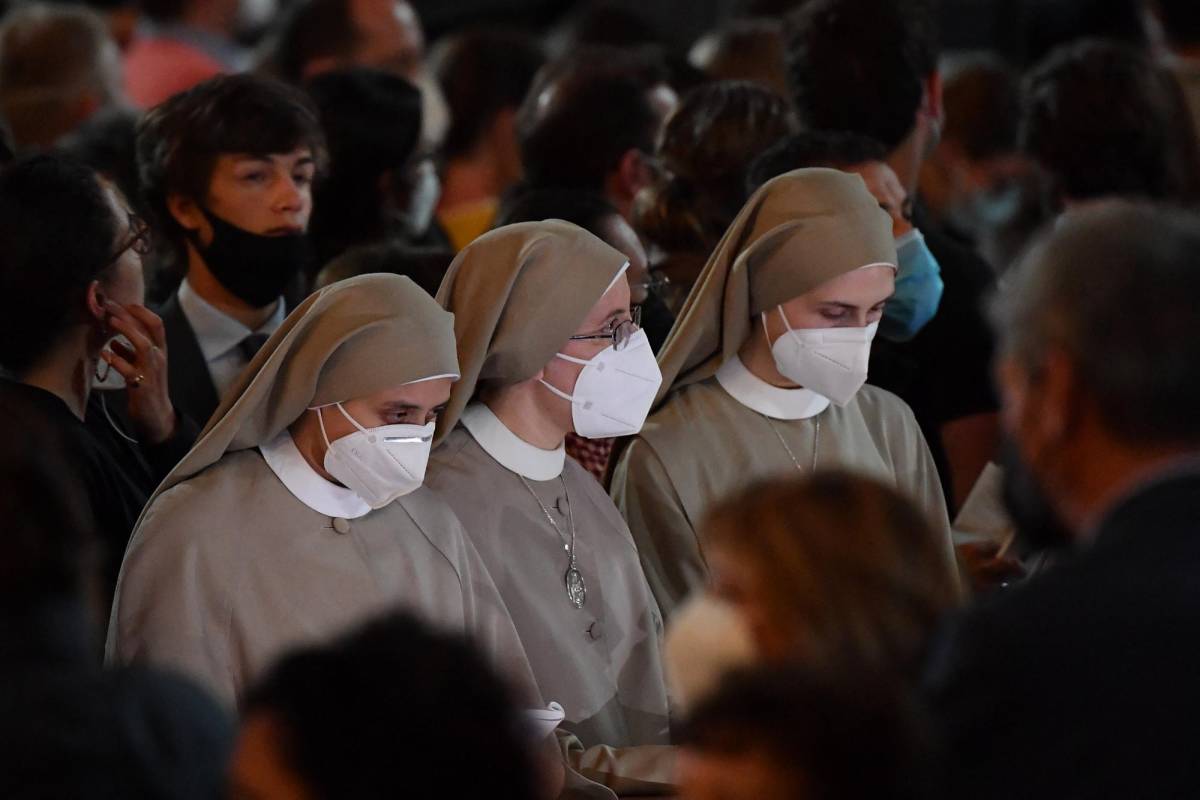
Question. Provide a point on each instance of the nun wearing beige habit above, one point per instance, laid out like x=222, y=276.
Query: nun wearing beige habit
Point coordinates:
x=300, y=510
x=547, y=347
x=763, y=374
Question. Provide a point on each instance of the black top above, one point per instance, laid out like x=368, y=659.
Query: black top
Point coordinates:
x=1085, y=683
x=944, y=373
x=117, y=476
x=192, y=390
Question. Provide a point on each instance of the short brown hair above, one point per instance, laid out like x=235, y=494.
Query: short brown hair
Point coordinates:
x=850, y=568
x=178, y=141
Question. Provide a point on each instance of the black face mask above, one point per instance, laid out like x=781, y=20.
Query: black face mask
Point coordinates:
x=1038, y=525
x=254, y=268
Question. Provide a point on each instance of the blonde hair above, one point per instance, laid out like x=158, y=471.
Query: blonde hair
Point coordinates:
x=848, y=570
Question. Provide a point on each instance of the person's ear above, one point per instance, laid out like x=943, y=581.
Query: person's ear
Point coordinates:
x=95, y=299
x=503, y=142
x=633, y=173
x=932, y=102
x=187, y=213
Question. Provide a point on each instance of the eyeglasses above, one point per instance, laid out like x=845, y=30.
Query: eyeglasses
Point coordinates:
x=619, y=332
x=138, y=241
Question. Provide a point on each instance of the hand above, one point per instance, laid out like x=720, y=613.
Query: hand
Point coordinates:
x=986, y=567
x=882, y=182
x=144, y=368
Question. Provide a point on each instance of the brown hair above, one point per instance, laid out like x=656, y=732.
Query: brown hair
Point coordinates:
x=703, y=153
x=850, y=570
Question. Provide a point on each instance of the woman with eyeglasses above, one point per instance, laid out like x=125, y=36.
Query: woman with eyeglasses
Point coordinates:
x=71, y=271
x=547, y=346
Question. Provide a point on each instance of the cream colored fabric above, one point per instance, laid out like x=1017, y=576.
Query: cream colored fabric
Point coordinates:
x=703, y=445
x=518, y=293
x=351, y=339
x=602, y=662
x=228, y=570
x=797, y=232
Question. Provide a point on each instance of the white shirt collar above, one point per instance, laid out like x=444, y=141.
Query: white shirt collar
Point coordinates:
x=770, y=401
x=511, y=451
x=216, y=332
x=306, y=485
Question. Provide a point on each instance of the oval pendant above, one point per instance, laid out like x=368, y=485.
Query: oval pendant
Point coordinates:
x=576, y=588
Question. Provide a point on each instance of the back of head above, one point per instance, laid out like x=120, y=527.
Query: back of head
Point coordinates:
x=390, y=710
x=108, y=144
x=745, y=50
x=851, y=571
x=58, y=65
x=45, y=272
x=1102, y=119
x=816, y=730
x=860, y=65
x=312, y=29
x=832, y=149
x=703, y=153
x=426, y=266
x=372, y=125
x=584, y=113
x=179, y=141
x=482, y=73
x=1074, y=292
x=586, y=209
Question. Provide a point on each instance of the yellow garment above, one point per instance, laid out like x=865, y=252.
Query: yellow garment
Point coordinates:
x=468, y=221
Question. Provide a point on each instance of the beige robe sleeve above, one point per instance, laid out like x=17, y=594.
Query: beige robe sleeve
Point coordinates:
x=917, y=476
x=666, y=540
x=644, y=771
x=173, y=602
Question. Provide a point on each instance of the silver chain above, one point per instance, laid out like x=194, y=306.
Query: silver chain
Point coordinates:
x=576, y=588
x=816, y=444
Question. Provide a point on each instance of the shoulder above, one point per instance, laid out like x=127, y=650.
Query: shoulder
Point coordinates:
x=449, y=454
x=214, y=505
x=879, y=404
x=675, y=421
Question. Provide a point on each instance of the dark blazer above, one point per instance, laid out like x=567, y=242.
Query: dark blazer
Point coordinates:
x=944, y=373
x=1085, y=682
x=191, y=386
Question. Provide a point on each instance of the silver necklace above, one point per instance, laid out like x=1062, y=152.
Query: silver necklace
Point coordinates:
x=816, y=444
x=573, y=578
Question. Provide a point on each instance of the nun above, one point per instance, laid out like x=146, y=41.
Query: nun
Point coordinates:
x=301, y=512
x=764, y=372
x=548, y=347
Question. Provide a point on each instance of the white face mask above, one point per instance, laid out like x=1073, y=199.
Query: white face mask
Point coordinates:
x=829, y=361
x=614, y=391
x=379, y=464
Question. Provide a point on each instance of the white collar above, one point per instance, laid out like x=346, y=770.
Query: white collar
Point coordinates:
x=216, y=332
x=770, y=401
x=511, y=451
x=306, y=485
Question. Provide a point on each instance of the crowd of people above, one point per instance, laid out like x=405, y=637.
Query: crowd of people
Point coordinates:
x=535, y=412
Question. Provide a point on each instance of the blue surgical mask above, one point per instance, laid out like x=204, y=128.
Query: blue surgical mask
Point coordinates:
x=918, y=290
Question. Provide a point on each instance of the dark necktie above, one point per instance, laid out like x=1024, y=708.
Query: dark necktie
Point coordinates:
x=249, y=346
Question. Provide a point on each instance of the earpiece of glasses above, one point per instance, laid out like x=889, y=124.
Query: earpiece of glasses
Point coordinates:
x=621, y=333
x=139, y=238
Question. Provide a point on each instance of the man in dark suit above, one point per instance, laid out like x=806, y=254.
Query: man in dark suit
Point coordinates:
x=227, y=170
x=1083, y=683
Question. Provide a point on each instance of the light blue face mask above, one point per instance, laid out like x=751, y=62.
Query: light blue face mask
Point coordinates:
x=918, y=290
